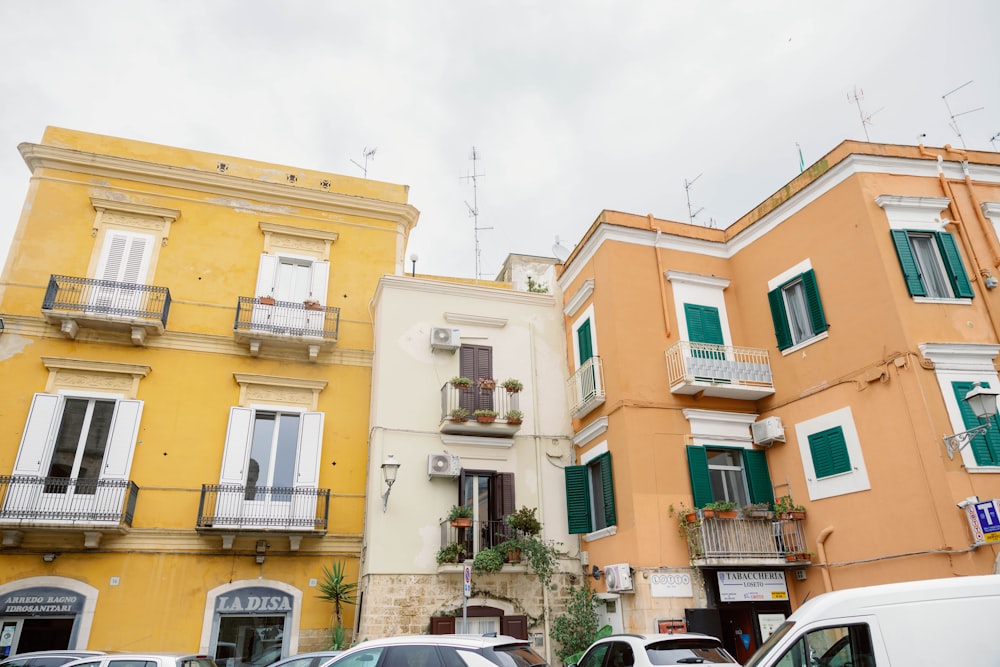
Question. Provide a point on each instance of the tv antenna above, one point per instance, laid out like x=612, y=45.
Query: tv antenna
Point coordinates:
x=369, y=154
x=994, y=139
x=866, y=119
x=954, y=116
x=474, y=207
x=687, y=192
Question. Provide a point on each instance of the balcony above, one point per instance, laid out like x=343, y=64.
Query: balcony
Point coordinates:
x=285, y=324
x=480, y=535
x=498, y=399
x=586, y=388
x=747, y=541
x=719, y=370
x=231, y=509
x=72, y=303
x=91, y=506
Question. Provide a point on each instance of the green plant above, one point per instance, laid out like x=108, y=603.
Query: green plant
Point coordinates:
x=757, y=509
x=487, y=384
x=514, y=416
x=338, y=639
x=452, y=552
x=540, y=556
x=721, y=506
x=460, y=382
x=487, y=560
x=577, y=629
x=524, y=521
x=485, y=415
x=537, y=287
x=459, y=414
x=785, y=504
x=335, y=588
x=512, y=385
x=688, y=525
x=459, y=512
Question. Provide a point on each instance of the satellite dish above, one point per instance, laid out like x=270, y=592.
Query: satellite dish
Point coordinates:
x=595, y=572
x=560, y=251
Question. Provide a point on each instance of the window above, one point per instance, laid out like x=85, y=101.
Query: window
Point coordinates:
x=829, y=452
x=292, y=279
x=729, y=473
x=841, y=646
x=931, y=264
x=475, y=362
x=590, y=495
x=985, y=446
x=796, y=310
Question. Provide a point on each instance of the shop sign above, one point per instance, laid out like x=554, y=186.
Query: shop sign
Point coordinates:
x=254, y=600
x=670, y=585
x=41, y=601
x=751, y=586
x=984, y=520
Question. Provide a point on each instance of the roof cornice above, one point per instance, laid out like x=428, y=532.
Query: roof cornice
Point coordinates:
x=457, y=289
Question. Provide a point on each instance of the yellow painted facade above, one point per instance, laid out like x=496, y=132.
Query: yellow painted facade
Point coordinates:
x=189, y=372
x=677, y=322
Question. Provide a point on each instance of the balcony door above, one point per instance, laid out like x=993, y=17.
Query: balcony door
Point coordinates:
x=124, y=261
x=705, y=326
x=491, y=496
x=291, y=281
x=475, y=363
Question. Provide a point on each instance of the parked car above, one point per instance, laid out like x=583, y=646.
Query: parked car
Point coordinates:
x=53, y=658
x=656, y=650
x=314, y=659
x=440, y=651
x=145, y=660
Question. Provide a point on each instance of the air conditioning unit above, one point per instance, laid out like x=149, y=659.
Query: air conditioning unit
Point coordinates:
x=443, y=465
x=618, y=577
x=767, y=431
x=445, y=339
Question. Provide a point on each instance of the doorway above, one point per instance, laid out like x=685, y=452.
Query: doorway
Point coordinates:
x=20, y=635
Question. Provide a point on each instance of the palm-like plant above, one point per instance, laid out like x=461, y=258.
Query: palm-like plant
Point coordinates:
x=336, y=589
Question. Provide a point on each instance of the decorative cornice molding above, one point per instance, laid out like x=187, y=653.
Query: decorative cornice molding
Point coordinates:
x=289, y=230
x=592, y=430
x=458, y=289
x=961, y=356
x=51, y=157
x=88, y=366
x=696, y=279
x=576, y=301
x=476, y=320
x=936, y=204
x=167, y=214
x=277, y=381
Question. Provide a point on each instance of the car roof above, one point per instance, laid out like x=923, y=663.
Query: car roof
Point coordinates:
x=474, y=641
x=147, y=655
x=649, y=638
x=69, y=651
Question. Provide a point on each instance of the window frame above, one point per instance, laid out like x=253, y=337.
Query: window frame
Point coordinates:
x=778, y=299
x=849, y=481
x=830, y=456
x=584, y=516
x=756, y=474
x=947, y=264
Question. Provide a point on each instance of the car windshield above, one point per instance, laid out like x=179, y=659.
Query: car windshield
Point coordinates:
x=765, y=648
x=686, y=651
x=517, y=655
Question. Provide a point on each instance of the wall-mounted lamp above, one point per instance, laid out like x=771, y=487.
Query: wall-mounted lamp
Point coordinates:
x=595, y=572
x=389, y=470
x=261, y=546
x=1, y=325
x=259, y=558
x=413, y=258
x=983, y=402
x=971, y=500
x=48, y=558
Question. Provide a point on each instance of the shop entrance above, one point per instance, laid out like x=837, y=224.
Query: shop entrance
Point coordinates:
x=39, y=618
x=36, y=634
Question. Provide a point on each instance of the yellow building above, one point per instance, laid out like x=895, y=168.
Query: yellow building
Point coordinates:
x=818, y=350
x=186, y=371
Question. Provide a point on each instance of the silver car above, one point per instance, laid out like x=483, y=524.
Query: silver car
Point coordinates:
x=656, y=650
x=441, y=651
x=145, y=660
x=53, y=658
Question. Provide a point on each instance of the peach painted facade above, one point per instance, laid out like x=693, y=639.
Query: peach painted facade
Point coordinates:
x=681, y=337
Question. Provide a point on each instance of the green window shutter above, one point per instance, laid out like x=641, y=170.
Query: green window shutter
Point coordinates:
x=608, y=489
x=953, y=265
x=701, y=482
x=908, y=263
x=985, y=446
x=816, y=315
x=829, y=452
x=584, y=342
x=758, y=476
x=578, y=499
x=780, y=318
x=704, y=324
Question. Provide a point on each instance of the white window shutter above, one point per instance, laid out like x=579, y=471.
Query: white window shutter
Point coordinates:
x=234, y=458
x=266, y=272
x=38, y=431
x=319, y=278
x=122, y=439
x=310, y=447
x=125, y=257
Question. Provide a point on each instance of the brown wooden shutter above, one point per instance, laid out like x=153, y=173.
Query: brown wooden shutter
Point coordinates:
x=442, y=625
x=514, y=626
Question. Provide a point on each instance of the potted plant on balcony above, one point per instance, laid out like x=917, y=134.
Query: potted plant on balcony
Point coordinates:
x=459, y=415
x=785, y=508
x=460, y=516
x=487, y=560
x=312, y=304
x=485, y=416
x=757, y=511
x=688, y=523
x=453, y=552
x=265, y=300
x=514, y=416
x=487, y=384
x=524, y=521
x=461, y=383
x=511, y=385
x=723, y=509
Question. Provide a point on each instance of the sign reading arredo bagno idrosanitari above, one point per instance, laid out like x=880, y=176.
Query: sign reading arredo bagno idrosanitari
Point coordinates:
x=41, y=601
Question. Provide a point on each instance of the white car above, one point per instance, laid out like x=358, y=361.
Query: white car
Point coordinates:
x=145, y=660
x=441, y=651
x=52, y=658
x=656, y=650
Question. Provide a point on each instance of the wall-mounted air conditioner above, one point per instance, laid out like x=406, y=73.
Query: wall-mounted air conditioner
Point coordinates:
x=767, y=431
x=618, y=577
x=445, y=339
x=443, y=465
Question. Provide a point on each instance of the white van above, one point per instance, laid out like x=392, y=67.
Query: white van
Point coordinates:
x=933, y=622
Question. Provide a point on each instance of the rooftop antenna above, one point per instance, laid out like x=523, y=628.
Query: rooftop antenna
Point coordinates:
x=474, y=208
x=954, y=116
x=994, y=139
x=866, y=119
x=687, y=192
x=369, y=154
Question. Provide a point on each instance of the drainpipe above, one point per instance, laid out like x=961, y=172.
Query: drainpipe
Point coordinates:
x=537, y=439
x=659, y=276
x=821, y=552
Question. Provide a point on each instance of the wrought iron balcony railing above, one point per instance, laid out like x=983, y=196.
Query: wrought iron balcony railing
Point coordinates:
x=477, y=536
x=285, y=324
x=719, y=370
x=586, y=387
x=238, y=507
x=746, y=540
x=497, y=399
x=71, y=301
x=55, y=501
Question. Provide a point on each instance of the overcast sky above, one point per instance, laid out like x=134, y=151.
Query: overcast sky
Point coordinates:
x=573, y=106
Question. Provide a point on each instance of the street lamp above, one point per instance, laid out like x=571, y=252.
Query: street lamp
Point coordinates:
x=389, y=469
x=983, y=402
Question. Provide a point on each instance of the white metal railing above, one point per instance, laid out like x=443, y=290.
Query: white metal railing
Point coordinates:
x=690, y=362
x=747, y=538
x=586, y=387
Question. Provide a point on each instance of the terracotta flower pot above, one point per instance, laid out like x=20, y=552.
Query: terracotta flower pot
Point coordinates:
x=461, y=522
x=486, y=420
x=265, y=300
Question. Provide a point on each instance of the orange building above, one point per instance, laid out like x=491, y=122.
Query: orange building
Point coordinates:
x=816, y=353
